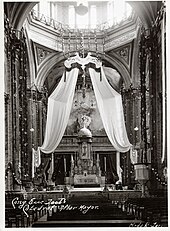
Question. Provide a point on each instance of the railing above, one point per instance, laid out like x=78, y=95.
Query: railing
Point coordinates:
x=49, y=21
x=72, y=140
x=64, y=28
x=101, y=140
x=69, y=140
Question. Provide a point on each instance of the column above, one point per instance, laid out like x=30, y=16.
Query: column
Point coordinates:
x=8, y=107
x=164, y=119
x=51, y=170
x=16, y=119
x=118, y=168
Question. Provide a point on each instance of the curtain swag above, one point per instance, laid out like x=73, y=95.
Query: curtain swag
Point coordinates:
x=109, y=103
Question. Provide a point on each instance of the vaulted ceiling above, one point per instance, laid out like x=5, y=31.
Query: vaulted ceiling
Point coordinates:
x=18, y=11
x=121, y=47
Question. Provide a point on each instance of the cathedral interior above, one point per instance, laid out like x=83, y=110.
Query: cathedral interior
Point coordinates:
x=85, y=101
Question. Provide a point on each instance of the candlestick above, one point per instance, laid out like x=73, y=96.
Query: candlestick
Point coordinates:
x=105, y=164
x=97, y=157
x=72, y=159
x=64, y=164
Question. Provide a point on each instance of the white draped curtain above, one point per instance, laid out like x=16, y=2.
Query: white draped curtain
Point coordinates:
x=58, y=112
x=113, y=78
x=109, y=104
x=110, y=107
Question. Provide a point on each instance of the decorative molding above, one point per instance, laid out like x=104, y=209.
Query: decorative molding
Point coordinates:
x=83, y=61
x=42, y=53
x=124, y=53
x=67, y=41
x=120, y=41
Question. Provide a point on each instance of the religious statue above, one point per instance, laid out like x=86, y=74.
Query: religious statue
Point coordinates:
x=84, y=121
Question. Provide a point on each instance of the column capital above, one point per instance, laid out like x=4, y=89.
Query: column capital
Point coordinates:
x=6, y=96
x=132, y=91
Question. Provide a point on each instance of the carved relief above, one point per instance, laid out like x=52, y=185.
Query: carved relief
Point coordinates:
x=124, y=53
x=41, y=54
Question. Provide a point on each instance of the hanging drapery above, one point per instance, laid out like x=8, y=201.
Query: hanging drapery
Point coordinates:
x=111, y=111
x=108, y=100
x=59, y=107
x=113, y=78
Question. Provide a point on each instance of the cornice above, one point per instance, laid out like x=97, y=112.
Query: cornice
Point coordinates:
x=127, y=35
x=114, y=37
x=122, y=40
x=43, y=36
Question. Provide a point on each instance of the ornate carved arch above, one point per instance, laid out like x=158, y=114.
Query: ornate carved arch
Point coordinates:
x=51, y=60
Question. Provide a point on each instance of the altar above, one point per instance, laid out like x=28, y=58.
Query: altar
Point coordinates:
x=85, y=168
x=90, y=179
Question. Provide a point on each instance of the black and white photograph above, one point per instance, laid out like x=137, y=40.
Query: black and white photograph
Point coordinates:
x=85, y=114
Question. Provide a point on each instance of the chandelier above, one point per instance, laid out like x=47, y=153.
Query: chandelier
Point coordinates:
x=81, y=9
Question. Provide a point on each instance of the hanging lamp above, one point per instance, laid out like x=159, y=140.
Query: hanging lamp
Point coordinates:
x=81, y=9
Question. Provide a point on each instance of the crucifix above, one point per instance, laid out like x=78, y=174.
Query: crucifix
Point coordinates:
x=84, y=150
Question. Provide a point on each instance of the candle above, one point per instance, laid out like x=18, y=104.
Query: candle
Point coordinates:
x=97, y=157
x=105, y=163
x=72, y=160
x=64, y=164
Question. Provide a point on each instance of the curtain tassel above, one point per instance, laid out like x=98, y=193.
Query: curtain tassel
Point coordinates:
x=100, y=75
x=65, y=76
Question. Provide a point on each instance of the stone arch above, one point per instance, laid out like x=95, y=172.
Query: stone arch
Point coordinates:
x=45, y=67
x=17, y=12
x=51, y=60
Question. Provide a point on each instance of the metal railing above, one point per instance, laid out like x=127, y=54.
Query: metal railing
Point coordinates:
x=65, y=28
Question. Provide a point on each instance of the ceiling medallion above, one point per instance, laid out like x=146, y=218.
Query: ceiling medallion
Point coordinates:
x=81, y=9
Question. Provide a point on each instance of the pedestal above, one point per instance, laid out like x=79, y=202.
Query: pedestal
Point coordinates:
x=142, y=176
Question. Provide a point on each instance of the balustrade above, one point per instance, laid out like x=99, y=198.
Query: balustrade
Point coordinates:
x=67, y=140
